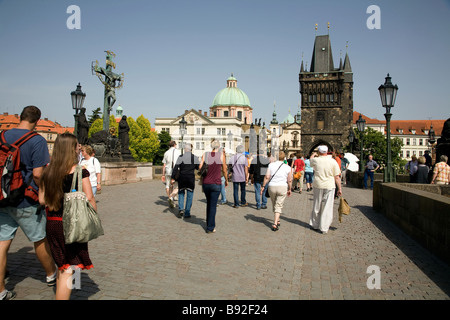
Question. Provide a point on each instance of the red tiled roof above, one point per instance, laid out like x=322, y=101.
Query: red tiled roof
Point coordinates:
x=408, y=126
x=9, y=121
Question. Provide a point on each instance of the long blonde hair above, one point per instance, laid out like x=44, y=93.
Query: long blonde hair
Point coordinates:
x=64, y=157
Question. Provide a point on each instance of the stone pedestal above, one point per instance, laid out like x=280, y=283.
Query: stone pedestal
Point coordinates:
x=125, y=172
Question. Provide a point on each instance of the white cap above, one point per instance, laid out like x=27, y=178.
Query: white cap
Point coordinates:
x=323, y=149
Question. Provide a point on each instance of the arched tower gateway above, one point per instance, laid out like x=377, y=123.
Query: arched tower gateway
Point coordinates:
x=232, y=102
x=326, y=99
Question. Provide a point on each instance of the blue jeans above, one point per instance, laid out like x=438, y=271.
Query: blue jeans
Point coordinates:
x=368, y=173
x=212, y=192
x=223, y=193
x=189, y=197
x=258, y=196
x=236, y=193
x=309, y=176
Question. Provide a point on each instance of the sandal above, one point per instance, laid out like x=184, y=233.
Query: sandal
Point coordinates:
x=274, y=227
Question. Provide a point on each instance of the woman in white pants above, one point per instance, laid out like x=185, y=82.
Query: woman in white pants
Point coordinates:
x=279, y=180
x=326, y=178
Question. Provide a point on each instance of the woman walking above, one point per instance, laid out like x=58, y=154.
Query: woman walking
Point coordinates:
x=212, y=182
x=309, y=174
x=56, y=180
x=92, y=165
x=279, y=181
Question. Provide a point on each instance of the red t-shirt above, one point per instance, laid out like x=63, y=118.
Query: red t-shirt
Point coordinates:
x=299, y=165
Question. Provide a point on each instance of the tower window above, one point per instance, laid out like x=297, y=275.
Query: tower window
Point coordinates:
x=320, y=120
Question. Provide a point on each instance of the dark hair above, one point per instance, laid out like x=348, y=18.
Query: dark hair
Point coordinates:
x=31, y=114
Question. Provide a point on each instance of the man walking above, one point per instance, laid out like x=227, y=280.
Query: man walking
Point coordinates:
x=28, y=214
x=257, y=172
x=169, y=161
x=184, y=174
x=371, y=166
x=239, y=167
x=326, y=179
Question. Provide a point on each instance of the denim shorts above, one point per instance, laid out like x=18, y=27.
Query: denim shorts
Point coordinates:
x=309, y=176
x=32, y=224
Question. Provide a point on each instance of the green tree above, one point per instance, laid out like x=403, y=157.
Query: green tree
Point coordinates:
x=96, y=126
x=144, y=142
x=96, y=114
x=375, y=144
x=164, y=139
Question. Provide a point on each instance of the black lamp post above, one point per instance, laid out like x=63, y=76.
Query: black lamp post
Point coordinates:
x=183, y=124
x=431, y=140
x=351, y=139
x=230, y=138
x=78, y=97
x=388, y=94
x=361, y=125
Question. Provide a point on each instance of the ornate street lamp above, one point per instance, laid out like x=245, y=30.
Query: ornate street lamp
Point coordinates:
x=183, y=124
x=230, y=138
x=361, y=125
x=78, y=97
x=388, y=94
x=351, y=139
x=431, y=140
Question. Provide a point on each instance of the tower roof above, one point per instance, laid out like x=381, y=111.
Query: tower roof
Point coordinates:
x=322, y=57
x=347, y=66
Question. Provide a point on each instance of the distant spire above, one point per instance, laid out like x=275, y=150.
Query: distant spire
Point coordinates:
x=274, y=115
x=301, y=67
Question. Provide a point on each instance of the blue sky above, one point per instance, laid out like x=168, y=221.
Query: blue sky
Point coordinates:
x=177, y=55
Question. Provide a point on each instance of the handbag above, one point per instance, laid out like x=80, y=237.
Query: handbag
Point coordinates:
x=204, y=169
x=81, y=222
x=267, y=189
x=344, y=208
x=297, y=175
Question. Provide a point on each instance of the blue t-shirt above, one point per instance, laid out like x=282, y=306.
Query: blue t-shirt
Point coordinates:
x=33, y=154
x=308, y=167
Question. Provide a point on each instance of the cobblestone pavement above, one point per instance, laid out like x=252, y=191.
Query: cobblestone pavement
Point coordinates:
x=148, y=252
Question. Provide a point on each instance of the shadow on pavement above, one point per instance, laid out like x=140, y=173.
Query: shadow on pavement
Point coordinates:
x=408, y=247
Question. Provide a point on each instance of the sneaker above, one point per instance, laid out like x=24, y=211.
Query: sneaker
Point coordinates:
x=209, y=231
x=244, y=205
x=263, y=207
x=223, y=203
x=10, y=295
x=181, y=212
x=51, y=281
x=235, y=206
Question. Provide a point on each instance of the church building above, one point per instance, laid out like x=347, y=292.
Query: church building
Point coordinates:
x=228, y=120
x=326, y=99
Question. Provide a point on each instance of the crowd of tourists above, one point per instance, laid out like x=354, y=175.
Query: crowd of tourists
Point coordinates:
x=273, y=177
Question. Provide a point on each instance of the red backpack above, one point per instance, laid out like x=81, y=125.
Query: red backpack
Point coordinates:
x=12, y=185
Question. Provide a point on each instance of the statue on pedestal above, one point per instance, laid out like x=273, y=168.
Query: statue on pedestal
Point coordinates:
x=83, y=127
x=124, y=128
x=443, y=143
x=105, y=143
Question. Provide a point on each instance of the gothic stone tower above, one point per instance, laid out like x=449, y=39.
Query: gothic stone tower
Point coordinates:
x=326, y=99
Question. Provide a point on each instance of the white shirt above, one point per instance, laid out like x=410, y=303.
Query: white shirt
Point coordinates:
x=280, y=177
x=325, y=169
x=170, y=159
x=93, y=166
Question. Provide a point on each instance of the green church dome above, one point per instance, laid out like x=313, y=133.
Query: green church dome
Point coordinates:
x=231, y=95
